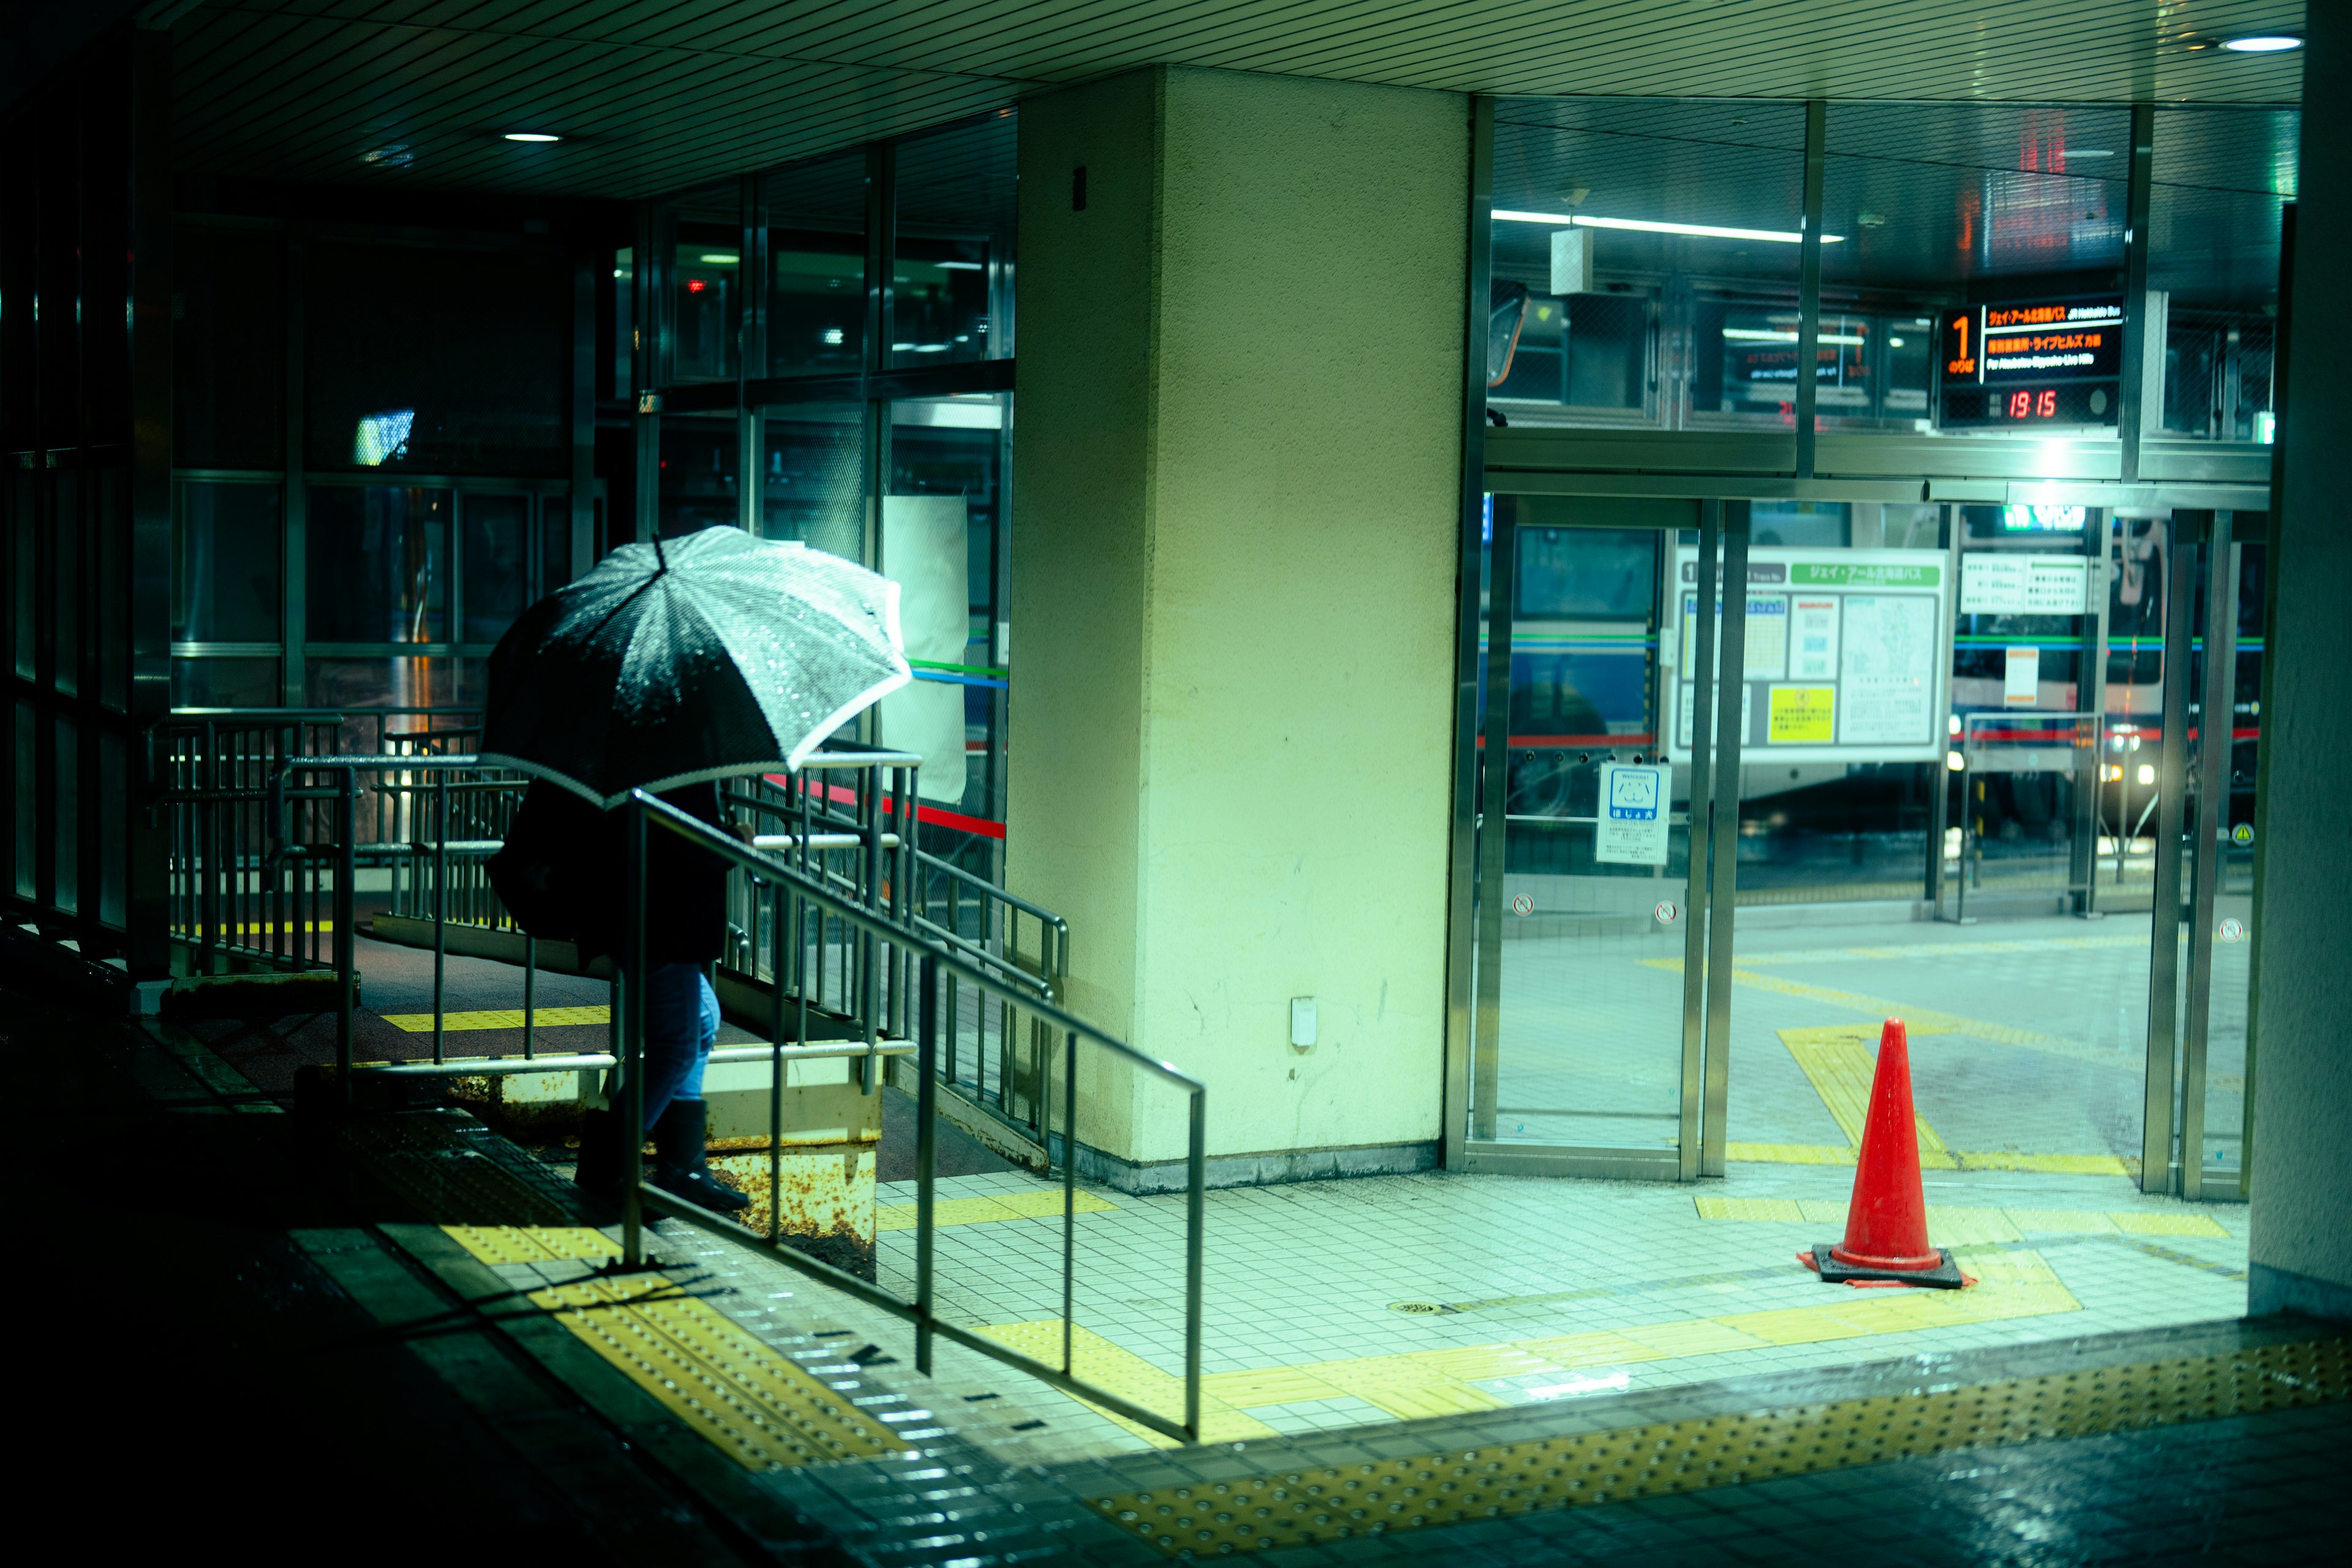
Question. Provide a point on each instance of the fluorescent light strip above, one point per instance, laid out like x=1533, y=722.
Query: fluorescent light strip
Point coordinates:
x=1644, y=226
x=1765, y=335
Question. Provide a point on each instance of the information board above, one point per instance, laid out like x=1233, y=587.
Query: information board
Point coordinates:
x=1632, y=829
x=1997, y=583
x=2040, y=362
x=1848, y=655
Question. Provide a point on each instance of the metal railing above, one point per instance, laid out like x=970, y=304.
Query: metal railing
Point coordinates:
x=799, y=894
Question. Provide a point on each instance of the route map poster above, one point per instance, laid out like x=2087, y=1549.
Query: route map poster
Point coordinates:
x=1847, y=655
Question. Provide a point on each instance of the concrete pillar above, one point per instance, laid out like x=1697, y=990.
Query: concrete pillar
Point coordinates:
x=2301, y=1175
x=1234, y=540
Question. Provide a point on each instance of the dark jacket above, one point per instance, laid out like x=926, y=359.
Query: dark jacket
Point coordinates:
x=561, y=875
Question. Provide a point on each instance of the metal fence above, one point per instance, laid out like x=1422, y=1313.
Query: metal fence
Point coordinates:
x=836, y=922
x=897, y=944
x=255, y=856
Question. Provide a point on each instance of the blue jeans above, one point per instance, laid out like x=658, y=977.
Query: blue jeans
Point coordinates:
x=681, y=1026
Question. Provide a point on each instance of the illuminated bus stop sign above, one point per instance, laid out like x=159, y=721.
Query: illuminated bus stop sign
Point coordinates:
x=2041, y=362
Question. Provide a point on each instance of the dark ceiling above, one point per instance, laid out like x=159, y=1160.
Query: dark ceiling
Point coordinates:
x=657, y=95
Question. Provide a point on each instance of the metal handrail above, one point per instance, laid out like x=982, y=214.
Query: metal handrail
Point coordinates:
x=935, y=959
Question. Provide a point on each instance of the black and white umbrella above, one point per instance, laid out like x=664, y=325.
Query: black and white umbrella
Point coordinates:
x=687, y=659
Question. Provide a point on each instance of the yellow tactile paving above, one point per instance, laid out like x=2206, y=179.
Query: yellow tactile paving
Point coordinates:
x=532, y=1243
x=1840, y=1061
x=1044, y=1203
x=499, y=1018
x=1119, y=1371
x=1790, y=1153
x=1285, y=1507
x=751, y=1403
x=1963, y=1227
x=1417, y=1383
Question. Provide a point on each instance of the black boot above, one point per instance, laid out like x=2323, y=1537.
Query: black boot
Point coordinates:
x=600, y=1153
x=679, y=1145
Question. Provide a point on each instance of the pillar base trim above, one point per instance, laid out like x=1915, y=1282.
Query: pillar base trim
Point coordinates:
x=2271, y=1291
x=1257, y=1170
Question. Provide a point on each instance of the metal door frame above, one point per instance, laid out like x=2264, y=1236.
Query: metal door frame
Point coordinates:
x=1715, y=825
x=2172, y=1126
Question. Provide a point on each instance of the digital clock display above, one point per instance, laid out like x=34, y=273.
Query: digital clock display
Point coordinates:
x=2049, y=361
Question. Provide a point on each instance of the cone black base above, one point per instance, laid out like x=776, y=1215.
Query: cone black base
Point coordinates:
x=1945, y=1276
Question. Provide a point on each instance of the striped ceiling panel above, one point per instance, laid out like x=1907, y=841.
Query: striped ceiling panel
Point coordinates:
x=652, y=95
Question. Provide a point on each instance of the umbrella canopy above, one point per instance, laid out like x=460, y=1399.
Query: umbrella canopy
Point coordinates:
x=687, y=659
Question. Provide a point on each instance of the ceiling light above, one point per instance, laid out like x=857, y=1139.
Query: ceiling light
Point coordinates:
x=961, y=267
x=2263, y=43
x=1644, y=226
x=2086, y=153
x=720, y=257
x=531, y=136
x=1767, y=335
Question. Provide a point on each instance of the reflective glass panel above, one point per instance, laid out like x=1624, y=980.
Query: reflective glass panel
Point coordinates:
x=224, y=683
x=698, y=461
x=952, y=281
x=1582, y=945
x=1945, y=211
x=230, y=541
x=813, y=481
x=2222, y=178
x=495, y=561
x=379, y=564
x=817, y=267
x=228, y=334
x=1645, y=256
x=706, y=274
x=940, y=539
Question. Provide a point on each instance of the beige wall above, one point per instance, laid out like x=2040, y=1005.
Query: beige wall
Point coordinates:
x=1234, y=537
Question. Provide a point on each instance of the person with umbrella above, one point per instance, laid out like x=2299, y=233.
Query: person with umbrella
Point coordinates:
x=667, y=667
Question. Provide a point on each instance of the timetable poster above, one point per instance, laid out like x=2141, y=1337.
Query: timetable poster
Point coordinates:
x=1847, y=655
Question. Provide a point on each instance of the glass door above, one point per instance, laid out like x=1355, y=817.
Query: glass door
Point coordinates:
x=1588, y=1052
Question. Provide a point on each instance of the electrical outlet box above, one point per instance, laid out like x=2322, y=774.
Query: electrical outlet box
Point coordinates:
x=1302, y=1021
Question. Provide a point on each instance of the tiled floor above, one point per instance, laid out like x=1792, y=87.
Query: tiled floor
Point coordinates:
x=1384, y=1298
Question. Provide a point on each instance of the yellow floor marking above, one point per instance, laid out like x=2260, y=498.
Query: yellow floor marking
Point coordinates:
x=1417, y=1383
x=532, y=1243
x=1783, y=1209
x=1122, y=1372
x=1293, y=1505
x=1840, y=1062
x=1933, y=950
x=499, y=1018
x=2165, y=1223
x=1967, y=1160
x=1964, y=1227
x=1790, y=1153
x=1044, y=1203
x=1921, y=1020
x=750, y=1402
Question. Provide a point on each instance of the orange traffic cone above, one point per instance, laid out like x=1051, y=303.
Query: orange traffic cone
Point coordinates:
x=1886, y=1222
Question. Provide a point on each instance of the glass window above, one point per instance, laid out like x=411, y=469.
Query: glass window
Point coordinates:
x=224, y=683
x=955, y=222
x=495, y=561
x=817, y=267
x=67, y=840
x=228, y=335
x=378, y=565
x=1947, y=215
x=1646, y=260
x=699, y=459
x=24, y=524
x=940, y=540
x=27, y=769
x=813, y=486
x=65, y=560
x=228, y=564
x=705, y=275
x=351, y=683
x=441, y=361
x=2221, y=178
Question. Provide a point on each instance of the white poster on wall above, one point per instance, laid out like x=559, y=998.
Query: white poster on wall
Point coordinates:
x=924, y=552
x=1632, y=828
x=1888, y=666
